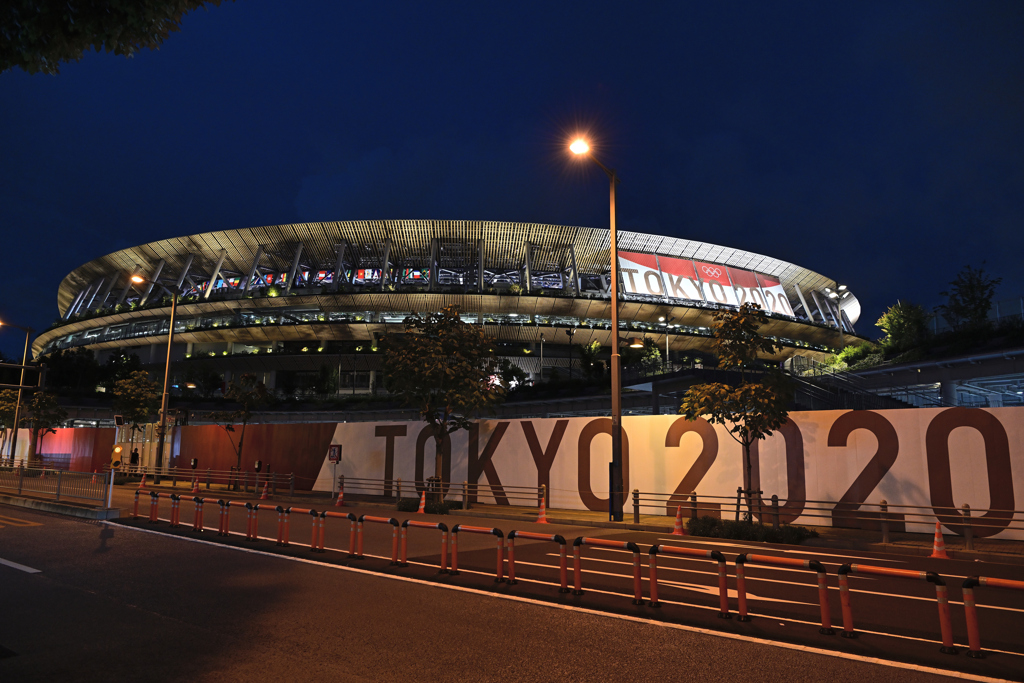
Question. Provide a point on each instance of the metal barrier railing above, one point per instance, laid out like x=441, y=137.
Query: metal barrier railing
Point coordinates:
x=56, y=484
x=883, y=516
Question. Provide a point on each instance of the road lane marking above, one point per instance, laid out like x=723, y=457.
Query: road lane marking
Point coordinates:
x=16, y=521
x=609, y=615
x=762, y=548
x=19, y=567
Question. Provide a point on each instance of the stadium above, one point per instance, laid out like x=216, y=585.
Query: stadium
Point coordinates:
x=284, y=302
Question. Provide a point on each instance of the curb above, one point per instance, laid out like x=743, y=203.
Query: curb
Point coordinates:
x=65, y=509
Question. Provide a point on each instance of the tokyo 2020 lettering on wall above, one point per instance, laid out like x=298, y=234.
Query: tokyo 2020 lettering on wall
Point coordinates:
x=938, y=459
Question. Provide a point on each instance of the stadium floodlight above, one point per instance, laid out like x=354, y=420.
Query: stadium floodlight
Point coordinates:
x=581, y=148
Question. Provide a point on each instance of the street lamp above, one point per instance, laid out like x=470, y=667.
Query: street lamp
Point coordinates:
x=21, y=384
x=581, y=148
x=162, y=427
x=541, y=359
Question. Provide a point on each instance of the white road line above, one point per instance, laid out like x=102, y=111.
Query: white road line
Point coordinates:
x=608, y=615
x=19, y=567
x=677, y=539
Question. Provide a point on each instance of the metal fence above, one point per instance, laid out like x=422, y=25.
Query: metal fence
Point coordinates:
x=52, y=484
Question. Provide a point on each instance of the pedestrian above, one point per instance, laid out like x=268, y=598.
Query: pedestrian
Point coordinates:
x=135, y=460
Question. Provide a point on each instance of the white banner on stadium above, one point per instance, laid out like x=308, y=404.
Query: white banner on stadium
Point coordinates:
x=935, y=458
x=640, y=274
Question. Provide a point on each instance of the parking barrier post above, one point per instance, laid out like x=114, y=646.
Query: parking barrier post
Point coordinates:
x=768, y=560
x=135, y=508
x=282, y=525
x=273, y=484
x=604, y=543
x=883, y=514
x=739, y=495
x=465, y=495
x=222, y=528
x=636, y=506
x=775, y=512
x=60, y=474
x=291, y=485
x=252, y=522
x=208, y=473
x=154, y=502
x=723, y=575
x=968, y=528
x=941, y=597
x=175, y=502
x=443, y=528
x=500, y=569
x=379, y=520
x=693, y=505
x=197, y=518
x=563, y=563
x=971, y=612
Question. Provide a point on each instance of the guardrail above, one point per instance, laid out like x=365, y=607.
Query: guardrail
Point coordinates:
x=450, y=548
x=58, y=485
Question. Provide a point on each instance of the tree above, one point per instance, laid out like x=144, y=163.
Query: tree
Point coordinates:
x=326, y=380
x=969, y=298
x=40, y=34
x=649, y=355
x=8, y=401
x=44, y=415
x=511, y=375
x=749, y=410
x=588, y=358
x=202, y=380
x=249, y=393
x=72, y=369
x=445, y=368
x=119, y=366
x=905, y=326
x=136, y=398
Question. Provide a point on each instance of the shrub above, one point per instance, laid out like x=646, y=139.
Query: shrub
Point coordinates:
x=710, y=527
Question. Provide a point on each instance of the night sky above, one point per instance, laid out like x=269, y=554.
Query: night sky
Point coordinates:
x=881, y=144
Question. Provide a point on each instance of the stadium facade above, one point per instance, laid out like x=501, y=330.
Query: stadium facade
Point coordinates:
x=286, y=301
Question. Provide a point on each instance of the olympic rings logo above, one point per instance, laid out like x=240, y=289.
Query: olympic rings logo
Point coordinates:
x=711, y=271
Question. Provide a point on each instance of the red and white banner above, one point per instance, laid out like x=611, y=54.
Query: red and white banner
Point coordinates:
x=936, y=458
x=680, y=278
x=748, y=291
x=717, y=286
x=640, y=274
x=775, y=296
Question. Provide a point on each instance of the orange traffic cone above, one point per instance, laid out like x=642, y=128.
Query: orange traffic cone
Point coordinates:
x=340, y=502
x=678, y=531
x=266, y=492
x=542, y=517
x=423, y=503
x=939, y=545
x=142, y=484
x=195, y=485
x=94, y=476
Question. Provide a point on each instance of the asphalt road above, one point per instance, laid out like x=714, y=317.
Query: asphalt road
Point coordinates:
x=114, y=603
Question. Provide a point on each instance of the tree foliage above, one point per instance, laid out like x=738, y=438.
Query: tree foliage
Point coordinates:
x=905, y=326
x=38, y=35
x=749, y=410
x=72, y=370
x=444, y=368
x=249, y=393
x=588, y=358
x=136, y=397
x=44, y=415
x=8, y=401
x=119, y=365
x=969, y=298
x=649, y=355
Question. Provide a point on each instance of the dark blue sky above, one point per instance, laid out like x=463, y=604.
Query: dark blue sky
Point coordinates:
x=878, y=143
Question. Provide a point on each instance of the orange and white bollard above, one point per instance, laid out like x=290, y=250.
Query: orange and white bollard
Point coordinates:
x=266, y=492
x=939, y=545
x=340, y=501
x=282, y=525
x=154, y=503
x=142, y=483
x=423, y=503
x=195, y=485
x=542, y=516
x=94, y=476
x=678, y=531
x=197, y=518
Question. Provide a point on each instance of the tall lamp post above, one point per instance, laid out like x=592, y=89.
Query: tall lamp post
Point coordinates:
x=21, y=384
x=580, y=148
x=161, y=430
